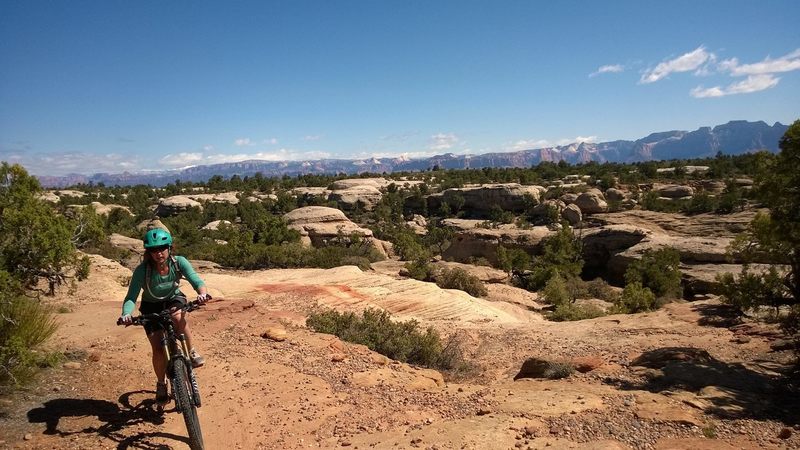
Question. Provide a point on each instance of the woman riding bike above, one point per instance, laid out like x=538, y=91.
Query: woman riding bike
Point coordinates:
x=159, y=277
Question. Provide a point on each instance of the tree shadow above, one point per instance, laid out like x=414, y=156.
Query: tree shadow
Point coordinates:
x=115, y=418
x=719, y=316
x=726, y=390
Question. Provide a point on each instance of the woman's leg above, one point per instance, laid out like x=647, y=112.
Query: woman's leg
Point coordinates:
x=182, y=327
x=159, y=357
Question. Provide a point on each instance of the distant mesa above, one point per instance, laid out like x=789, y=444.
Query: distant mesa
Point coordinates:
x=733, y=138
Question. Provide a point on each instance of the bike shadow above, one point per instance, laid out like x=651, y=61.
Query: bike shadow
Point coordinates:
x=115, y=419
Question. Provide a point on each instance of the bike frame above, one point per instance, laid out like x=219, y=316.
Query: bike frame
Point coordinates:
x=179, y=368
x=175, y=347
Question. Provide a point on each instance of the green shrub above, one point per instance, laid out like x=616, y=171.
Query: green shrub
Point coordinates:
x=700, y=203
x=544, y=368
x=361, y=262
x=407, y=245
x=607, y=181
x=26, y=324
x=401, y=341
x=731, y=199
x=562, y=254
x=555, y=291
x=514, y=261
x=659, y=271
x=571, y=312
x=635, y=298
x=421, y=270
x=499, y=215
x=458, y=278
x=598, y=288
x=35, y=242
x=749, y=290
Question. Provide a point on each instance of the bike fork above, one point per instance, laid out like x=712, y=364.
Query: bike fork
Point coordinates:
x=195, y=389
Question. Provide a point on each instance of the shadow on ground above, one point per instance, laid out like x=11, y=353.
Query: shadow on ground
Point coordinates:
x=717, y=315
x=116, y=419
x=728, y=390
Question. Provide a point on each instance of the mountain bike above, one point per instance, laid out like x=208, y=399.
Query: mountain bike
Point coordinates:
x=179, y=369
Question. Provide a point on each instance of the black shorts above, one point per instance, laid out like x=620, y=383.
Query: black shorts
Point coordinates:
x=156, y=307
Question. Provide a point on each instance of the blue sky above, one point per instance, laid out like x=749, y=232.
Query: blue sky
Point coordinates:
x=108, y=86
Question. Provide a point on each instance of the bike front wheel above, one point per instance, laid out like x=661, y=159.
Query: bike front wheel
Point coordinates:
x=184, y=402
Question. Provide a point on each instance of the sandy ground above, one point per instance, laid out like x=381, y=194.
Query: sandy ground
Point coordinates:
x=314, y=391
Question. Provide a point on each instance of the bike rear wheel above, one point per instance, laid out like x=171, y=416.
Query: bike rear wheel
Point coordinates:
x=184, y=402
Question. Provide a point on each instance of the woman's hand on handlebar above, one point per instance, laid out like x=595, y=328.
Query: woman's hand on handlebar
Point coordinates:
x=125, y=319
x=202, y=298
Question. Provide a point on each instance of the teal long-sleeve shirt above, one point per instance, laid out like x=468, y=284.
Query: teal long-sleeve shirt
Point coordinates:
x=160, y=285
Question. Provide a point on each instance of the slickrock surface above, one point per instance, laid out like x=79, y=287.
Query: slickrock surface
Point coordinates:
x=677, y=378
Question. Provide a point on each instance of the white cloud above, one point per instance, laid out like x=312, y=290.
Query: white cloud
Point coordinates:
x=406, y=155
x=576, y=140
x=753, y=83
x=701, y=92
x=63, y=163
x=271, y=141
x=243, y=142
x=610, y=68
x=786, y=63
x=182, y=159
x=687, y=62
x=186, y=159
x=527, y=144
x=312, y=137
x=443, y=141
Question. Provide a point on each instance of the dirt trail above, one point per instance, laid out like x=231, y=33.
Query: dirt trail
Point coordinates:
x=313, y=391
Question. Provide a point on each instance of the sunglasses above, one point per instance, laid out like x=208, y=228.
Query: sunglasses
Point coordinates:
x=158, y=249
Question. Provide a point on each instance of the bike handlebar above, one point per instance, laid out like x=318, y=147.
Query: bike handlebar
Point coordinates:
x=139, y=320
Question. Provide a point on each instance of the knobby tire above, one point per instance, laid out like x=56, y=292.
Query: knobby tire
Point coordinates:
x=181, y=388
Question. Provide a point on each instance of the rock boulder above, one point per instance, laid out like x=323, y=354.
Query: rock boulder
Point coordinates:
x=363, y=197
x=320, y=225
x=176, y=204
x=508, y=196
x=591, y=202
x=674, y=191
x=572, y=214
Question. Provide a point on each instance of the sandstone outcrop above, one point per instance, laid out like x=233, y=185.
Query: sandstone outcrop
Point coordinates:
x=70, y=193
x=310, y=191
x=222, y=197
x=377, y=183
x=569, y=197
x=99, y=208
x=49, y=196
x=714, y=187
x=216, y=224
x=600, y=244
x=320, y=225
x=483, y=243
x=127, y=243
x=364, y=197
x=726, y=225
x=258, y=197
x=483, y=273
x=614, y=195
x=572, y=214
x=507, y=196
x=418, y=224
x=151, y=224
x=674, y=191
x=591, y=202
x=176, y=204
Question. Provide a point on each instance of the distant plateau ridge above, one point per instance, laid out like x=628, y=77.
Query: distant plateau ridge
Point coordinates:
x=732, y=138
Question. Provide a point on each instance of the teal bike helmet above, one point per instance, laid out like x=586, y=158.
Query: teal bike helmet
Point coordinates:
x=157, y=237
